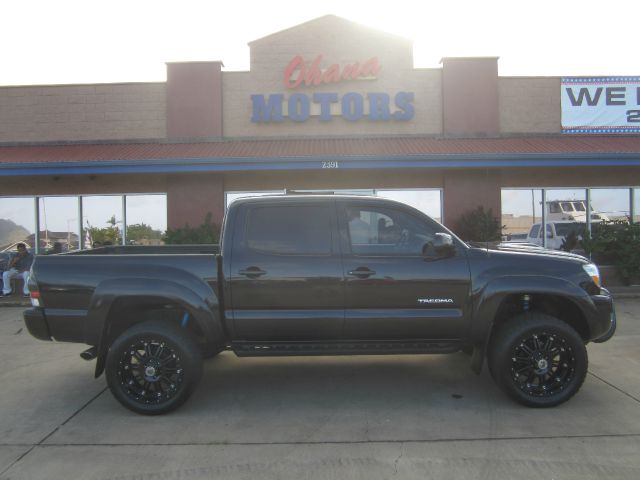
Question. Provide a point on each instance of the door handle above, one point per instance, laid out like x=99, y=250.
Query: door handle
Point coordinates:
x=361, y=272
x=252, y=272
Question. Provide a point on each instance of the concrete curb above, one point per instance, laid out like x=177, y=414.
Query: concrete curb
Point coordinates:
x=15, y=303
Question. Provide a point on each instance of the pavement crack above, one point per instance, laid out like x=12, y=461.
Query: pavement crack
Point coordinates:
x=335, y=442
x=614, y=387
x=395, y=463
x=47, y=436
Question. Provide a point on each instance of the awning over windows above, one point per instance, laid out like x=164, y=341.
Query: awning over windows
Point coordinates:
x=318, y=153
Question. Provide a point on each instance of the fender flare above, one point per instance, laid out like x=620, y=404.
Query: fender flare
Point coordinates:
x=488, y=300
x=197, y=299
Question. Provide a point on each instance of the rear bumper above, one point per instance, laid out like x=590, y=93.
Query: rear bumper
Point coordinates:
x=604, y=325
x=37, y=324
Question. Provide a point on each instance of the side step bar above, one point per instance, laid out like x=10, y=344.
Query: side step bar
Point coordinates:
x=264, y=349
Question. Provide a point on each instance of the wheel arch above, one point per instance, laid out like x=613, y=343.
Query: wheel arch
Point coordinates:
x=503, y=298
x=117, y=304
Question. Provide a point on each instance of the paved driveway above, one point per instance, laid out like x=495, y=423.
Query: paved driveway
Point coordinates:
x=327, y=418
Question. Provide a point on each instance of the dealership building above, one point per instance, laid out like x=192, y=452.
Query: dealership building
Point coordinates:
x=328, y=105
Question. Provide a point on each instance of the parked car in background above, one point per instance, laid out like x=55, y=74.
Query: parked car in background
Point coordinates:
x=557, y=232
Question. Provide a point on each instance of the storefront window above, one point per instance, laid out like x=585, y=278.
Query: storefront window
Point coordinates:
x=521, y=210
x=636, y=204
x=102, y=220
x=146, y=219
x=59, y=229
x=566, y=205
x=17, y=221
x=428, y=201
x=609, y=204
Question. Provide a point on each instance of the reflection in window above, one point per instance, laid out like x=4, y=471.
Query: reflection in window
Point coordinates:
x=383, y=231
x=102, y=220
x=59, y=224
x=17, y=221
x=427, y=201
x=568, y=204
x=609, y=204
x=146, y=219
x=521, y=209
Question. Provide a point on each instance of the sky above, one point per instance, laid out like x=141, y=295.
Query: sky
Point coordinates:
x=91, y=41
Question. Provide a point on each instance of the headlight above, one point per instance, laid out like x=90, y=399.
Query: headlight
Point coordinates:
x=593, y=272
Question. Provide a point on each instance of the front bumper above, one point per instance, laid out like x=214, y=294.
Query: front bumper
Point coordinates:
x=37, y=324
x=605, y=325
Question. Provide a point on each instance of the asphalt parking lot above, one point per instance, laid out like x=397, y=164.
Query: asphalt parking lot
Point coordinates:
x=326, y=418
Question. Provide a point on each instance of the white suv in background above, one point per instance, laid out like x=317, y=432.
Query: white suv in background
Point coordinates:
x=556, y=233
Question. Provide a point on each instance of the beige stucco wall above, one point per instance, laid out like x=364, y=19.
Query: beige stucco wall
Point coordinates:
x=339, y=42
x=82, y=112
x=529, y=105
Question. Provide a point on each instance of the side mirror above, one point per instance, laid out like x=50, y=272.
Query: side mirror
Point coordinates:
x=441, y=247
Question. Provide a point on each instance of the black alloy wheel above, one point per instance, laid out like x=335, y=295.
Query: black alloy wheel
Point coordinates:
x=538, y=360
x=153, y=367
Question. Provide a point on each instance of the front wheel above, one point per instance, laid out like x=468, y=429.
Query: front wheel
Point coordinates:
x=538, y=360
x=153, y=367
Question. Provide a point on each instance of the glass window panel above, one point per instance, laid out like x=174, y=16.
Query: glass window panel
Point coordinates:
x=290, y=230
x=387, y=232
x=427, y=201
x=59, y=223
x=535, y=231
x=102, y=216
x=636, y=204
x=146, y=219
x=609, y=204
x=521, y=209
x=566, y=204
x=17, y=221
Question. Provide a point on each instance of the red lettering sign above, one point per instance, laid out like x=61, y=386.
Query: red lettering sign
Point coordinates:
x=298, y=72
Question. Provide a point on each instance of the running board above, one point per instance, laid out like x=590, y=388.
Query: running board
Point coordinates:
x=266, y=349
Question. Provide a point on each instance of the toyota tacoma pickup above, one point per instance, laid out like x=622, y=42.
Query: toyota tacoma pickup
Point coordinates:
x=322, y=275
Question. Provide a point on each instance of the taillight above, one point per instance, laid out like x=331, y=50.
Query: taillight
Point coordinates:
x=35, y=298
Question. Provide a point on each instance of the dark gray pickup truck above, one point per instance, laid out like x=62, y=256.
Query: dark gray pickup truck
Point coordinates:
x=322, y=275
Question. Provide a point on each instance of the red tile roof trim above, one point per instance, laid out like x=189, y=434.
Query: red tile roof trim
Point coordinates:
x=363, y=147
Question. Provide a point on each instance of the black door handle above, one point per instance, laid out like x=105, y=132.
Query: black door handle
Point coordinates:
x=361, y=272
x=252, y=272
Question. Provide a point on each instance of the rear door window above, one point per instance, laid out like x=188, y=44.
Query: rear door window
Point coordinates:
x=290, y=230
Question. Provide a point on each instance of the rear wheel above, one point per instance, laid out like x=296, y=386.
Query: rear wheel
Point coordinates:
x=153, y=367
x=538, y=360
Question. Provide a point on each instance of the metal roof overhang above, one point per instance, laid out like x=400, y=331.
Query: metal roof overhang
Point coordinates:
x=244, y=164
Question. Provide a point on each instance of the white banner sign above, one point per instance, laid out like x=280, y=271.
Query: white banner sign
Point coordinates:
x=600, y=105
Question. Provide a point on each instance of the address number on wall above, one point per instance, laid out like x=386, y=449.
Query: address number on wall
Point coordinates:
x=330, y=165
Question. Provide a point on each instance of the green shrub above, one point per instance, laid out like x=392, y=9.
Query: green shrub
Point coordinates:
x=207, y=233
x=616, y=243
x=479, y=226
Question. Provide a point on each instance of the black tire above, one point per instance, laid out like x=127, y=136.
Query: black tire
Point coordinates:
x=153, y=367
x=538, y=360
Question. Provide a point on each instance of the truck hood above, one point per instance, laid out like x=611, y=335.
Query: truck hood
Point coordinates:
x=529, y=249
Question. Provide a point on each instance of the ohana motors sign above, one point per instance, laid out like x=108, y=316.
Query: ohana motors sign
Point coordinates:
x=352, y=106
